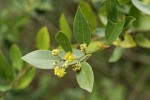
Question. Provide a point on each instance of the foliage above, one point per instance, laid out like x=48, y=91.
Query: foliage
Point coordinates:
x=105, y=31
x=14, y=76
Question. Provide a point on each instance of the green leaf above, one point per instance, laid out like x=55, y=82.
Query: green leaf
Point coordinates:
x=16, y=55
x=26, y=79
x=64, y=41
x=142, y=41
x=5, y=87
x=116, y=55
x=43, y=39
x=76, y=52
x=135, y=13
x=113, y=30
x=145, y=8
x=144, y=23
x=7, y=73
x=128, y=42
x=88, y=14
x=92, y=47
x=64, y=26
x=128, y=21
x=41, y=59
x=122, y=2
x=112, y=12
x=100, y=32
x=81, y=28
x=85, y=77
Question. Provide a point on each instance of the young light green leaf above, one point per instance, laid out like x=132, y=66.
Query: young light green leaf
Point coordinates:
x=88, y=14
x=113, y=30
x=116, y=55
x=81, y=28
x=41, y=59
x=93, y=46
x=85, y=77
x=64, y=26
x=43, y=39
x=64, y=41
x=6, y=71
x=16, y=55
x=26, y=79
x=112, y=12
x=145, y=8
x=142, y=41
x=128, y=42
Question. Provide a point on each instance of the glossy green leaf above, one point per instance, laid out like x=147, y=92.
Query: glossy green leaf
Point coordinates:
x=41, y=59
x=26, y=79
x=112, y=12
x=6, y=71
x=142, y=41
x=43, y=39
x=16, y=55
x=85, y=77
x=113, y=30
x=116, y=55
x=145, y=8
x=64, y=41
x=64, y=26
x=81, y=28
x=88, y=14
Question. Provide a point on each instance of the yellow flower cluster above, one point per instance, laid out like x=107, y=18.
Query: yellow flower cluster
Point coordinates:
x=60, y=72
x=55, y=52
x=69, y=57
x=83, y=46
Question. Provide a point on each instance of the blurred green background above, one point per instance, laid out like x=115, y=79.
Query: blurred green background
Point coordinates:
x=126, y=79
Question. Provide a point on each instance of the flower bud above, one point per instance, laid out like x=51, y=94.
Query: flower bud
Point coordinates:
x=76, y=67
x=55, y=52
x=83, y=46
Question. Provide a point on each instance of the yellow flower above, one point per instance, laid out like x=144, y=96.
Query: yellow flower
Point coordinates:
x=69, y=57
x=60, y=72
x=83, y=46
x=55, y=52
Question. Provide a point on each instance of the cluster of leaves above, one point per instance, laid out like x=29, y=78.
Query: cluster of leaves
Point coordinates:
x=17, y=75
x=116, y=33
x=44, y=58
